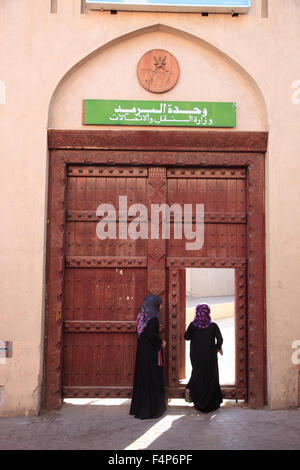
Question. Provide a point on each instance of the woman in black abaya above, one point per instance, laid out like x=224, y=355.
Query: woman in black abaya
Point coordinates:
x=206, y=341
x=148, y=397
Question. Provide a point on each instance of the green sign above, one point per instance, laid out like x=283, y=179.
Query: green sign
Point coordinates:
x=159, y=113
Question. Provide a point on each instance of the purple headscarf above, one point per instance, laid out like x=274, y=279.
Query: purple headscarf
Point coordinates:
x=202, y=317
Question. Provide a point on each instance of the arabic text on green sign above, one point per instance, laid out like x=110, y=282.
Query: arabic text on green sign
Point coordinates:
x=159, y=113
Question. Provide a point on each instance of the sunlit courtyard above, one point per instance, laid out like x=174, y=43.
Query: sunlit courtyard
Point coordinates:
x=222, y=313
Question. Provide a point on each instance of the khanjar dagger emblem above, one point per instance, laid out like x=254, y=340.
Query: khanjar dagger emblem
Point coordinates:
x=158, y=71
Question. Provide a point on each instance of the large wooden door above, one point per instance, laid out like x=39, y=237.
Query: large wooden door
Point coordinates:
x=95, y=287
x=106, y=280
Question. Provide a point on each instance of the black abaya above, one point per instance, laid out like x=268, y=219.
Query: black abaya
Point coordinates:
x=204, y=384
x=148, y=397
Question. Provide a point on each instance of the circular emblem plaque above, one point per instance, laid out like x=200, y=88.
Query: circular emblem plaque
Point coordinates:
x=158, y=71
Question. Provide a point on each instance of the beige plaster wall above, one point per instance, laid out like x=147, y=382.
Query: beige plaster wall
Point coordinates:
x=44, y=59
x=205, y=75
x=213, y=282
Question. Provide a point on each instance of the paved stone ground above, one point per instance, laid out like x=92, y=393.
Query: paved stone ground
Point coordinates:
x=107, y=425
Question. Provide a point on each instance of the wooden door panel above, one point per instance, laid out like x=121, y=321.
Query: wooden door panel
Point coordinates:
x=91, y=294
x=88, y=192
x=218, y=189
x=85, y=192
x=82, y=240
x=104, y=284
x=223, y=195
x=99, y=328
x=220, y=240
x=98, y=360
x=106, y=280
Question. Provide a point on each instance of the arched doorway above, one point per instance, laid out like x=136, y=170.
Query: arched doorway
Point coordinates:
x=94, y=288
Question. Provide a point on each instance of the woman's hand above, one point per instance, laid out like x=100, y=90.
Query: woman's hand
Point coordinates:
x=221, y=351
x=163, y=344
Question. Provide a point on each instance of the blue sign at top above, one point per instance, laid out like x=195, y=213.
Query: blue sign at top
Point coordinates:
x=205, y=6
